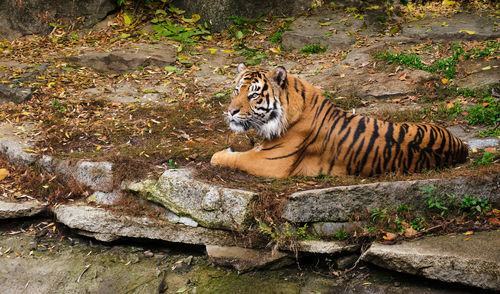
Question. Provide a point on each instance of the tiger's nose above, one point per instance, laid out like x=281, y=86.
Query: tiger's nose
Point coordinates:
x=233, y=110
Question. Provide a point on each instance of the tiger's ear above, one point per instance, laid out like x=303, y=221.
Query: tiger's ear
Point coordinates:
x=279, y=76
x=241, y=67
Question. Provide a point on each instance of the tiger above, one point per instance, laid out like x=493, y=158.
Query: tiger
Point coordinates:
x=305, y=134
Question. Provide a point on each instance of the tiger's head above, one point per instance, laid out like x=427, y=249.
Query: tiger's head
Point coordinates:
x=255, y=102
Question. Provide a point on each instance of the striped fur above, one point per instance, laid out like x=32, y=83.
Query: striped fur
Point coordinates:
x=306, y=134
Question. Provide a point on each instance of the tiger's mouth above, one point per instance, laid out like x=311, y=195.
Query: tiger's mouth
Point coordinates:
x=239, y=125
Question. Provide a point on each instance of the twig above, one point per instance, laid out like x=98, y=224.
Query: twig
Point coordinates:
x=84, y=270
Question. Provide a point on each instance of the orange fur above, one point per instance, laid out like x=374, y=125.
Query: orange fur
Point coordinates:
x=307, y=135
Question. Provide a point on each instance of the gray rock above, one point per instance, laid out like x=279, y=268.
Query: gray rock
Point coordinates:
x=126, y=60
x=335, y=29
x=107, y=226
x=454, y=28
x=19, y=18
x=346, y=261
x=95, y=175
x=21, y=209
x=14, y=146
x=110, y=198
x=217, y=12
x=482, y=143
x=244, y=259
x=324, y=247
x=339, y=203
x=472, y=260
x=329, y=229
x=11, y=93
x=210, y=206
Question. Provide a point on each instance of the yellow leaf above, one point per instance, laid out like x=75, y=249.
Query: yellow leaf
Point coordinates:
x=212, y=50
x=466, y=239
x=325, y=23
x=467, y=31
x=444, y=80
x=92, y=199
x=194, y=18
x=345, y=66
x=98, y=147
x=276, y=50
x=227, y=51
x=3, y=173
x=30, y=150
x=127, y=19
x=469, y=232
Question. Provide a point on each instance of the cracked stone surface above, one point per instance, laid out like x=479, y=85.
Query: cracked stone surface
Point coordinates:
x=209, y=205
x=339, y=203
x=472, y=260
x=21, y=209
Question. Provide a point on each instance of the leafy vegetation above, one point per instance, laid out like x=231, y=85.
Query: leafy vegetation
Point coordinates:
x=486, y=112
x=485, y=159
x=276, y=37
x=314, y=48
x=184, y=34
x=447, y=66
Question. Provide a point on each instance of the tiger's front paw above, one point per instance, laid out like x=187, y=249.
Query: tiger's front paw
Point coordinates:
x=219, y=157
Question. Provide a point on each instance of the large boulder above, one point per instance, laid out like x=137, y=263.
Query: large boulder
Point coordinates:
x=217, y=12
x=472, y=260
x=211, y=206
x=19, y=18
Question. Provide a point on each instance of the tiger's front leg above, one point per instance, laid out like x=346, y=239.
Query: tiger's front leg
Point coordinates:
x=254, y=161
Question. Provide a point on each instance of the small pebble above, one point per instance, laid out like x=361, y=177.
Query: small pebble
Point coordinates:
x=148, y=253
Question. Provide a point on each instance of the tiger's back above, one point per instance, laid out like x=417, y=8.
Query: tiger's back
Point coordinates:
x=306, y=134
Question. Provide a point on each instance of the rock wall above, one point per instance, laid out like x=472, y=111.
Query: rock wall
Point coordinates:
x=25, y=17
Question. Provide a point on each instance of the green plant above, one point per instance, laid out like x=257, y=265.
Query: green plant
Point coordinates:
x=417, y=224
x=379, y=214
x=172, y=164
x=57, y=105
x=341, y=235
x=182, y=33
x=455, y=110
x=434, y=201
x=403, y=208
x=285, y=232
x=253, y=56
x=476, y=205
x=486, y=159
x=486, y=111
x=489, y=133
x=314, y=48
x=276, y=37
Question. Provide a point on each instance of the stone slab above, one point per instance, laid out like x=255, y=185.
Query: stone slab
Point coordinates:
x=244, y=259
x=21, y=209
x=338, y=204
x=325, y=247
x=108, y=226
x=120, y=60
x=14, y=146
x=472, y=260
x=211, y=206
x=479, y=27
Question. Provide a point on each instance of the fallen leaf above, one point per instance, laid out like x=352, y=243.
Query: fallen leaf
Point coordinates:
x=325, y=23
x=3, y=173
x=486, y=67
x=469, y=233
x=494, y=221
x=389, y=236
x=444, y=81
x=403, y=77
x=410, y=232
x=466, y=239
x=467, y=31
x=212, y=50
